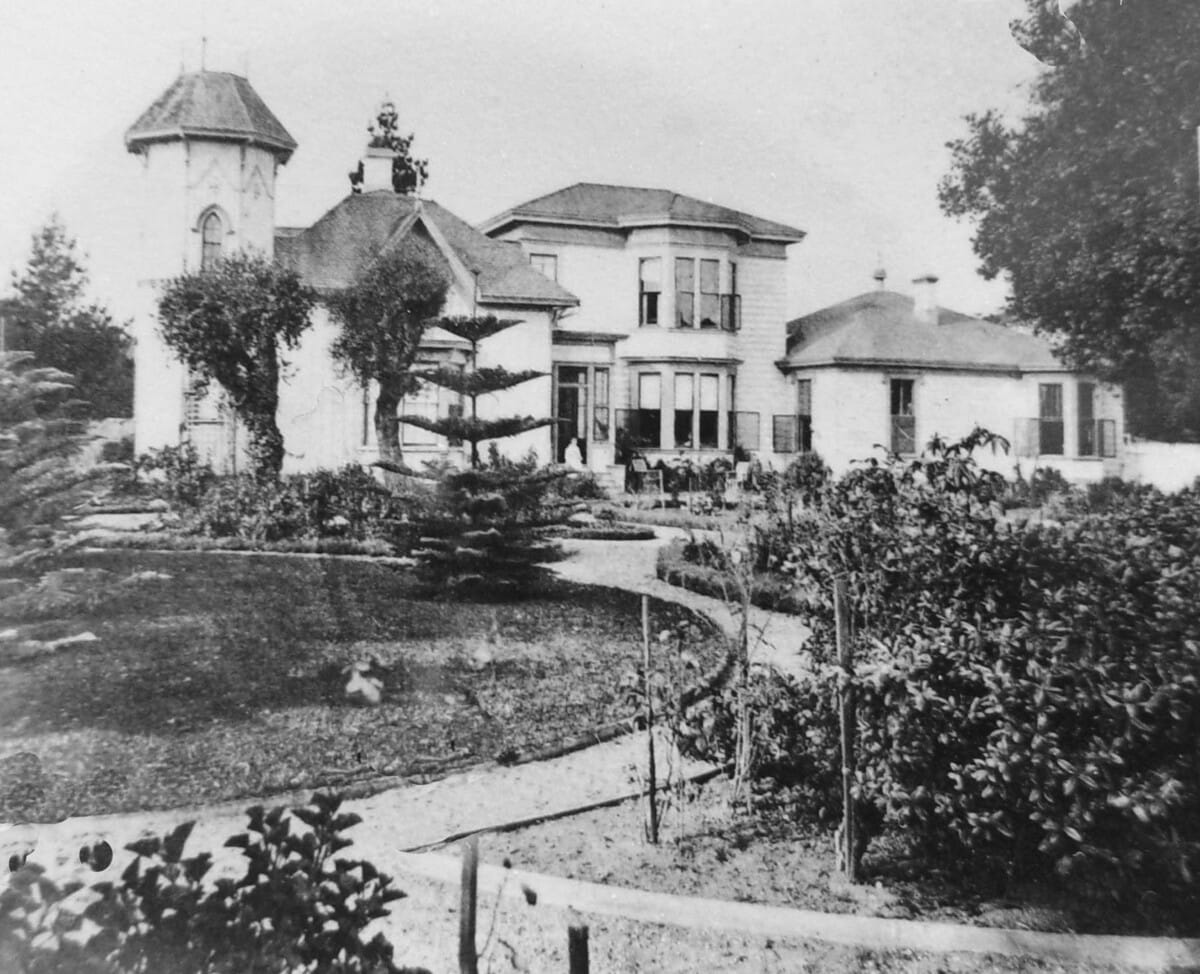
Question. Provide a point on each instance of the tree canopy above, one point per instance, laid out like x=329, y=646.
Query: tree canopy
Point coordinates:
x=50, y=317
x=1089, y=204
x=227, y=324
x=383, y=316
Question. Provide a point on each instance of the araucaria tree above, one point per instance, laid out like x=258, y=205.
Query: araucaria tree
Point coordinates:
x=227, y=324
x=40, y=482
x=1089, y=204
x=383, y=316
x=50, y=317
x=485, y=537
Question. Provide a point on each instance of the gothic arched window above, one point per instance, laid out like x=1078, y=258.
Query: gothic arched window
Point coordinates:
x=211, y=232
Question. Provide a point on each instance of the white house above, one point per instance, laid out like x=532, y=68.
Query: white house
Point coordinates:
x=886, y=370
x=658, y=319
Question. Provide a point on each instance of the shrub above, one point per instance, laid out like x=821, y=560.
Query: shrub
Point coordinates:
x=117, y=451
x=177, y=474
x=298, y=906
x=1028, y=698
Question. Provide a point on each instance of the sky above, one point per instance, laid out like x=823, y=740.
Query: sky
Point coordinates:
x=829, y=115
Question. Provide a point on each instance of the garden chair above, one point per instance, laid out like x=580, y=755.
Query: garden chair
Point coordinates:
x=646, y=478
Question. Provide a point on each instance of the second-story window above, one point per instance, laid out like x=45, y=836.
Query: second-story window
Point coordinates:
x=545, y=264
x=211, y=232
x=649, y=289
x=685, y=292
x=710, y=293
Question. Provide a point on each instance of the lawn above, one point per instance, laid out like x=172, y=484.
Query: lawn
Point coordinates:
x=221, y=677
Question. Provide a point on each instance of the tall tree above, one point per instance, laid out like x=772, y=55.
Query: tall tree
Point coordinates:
x=1089, y=204
x=227, y=324
x=383, y=316
x=485, y=537
x=50, y=317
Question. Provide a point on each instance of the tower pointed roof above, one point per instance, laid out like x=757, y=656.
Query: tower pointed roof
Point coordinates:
x=212, y=105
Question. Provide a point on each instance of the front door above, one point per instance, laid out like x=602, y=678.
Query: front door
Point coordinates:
x=571, y=410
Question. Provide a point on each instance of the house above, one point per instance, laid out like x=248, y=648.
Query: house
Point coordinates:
x=672, y=349
x=210, y=150
x=657, y=319
x=887, y=370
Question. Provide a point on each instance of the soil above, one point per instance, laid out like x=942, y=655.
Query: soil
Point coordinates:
x=707, y=851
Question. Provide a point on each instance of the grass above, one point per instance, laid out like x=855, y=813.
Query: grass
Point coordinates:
x=225, y=680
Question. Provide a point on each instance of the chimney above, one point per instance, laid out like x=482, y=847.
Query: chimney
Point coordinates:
x=377, y=169
x=925, y=306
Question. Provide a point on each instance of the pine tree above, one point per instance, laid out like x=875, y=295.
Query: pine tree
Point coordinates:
x=50, y=317
x=40, y=435
x=486, y=535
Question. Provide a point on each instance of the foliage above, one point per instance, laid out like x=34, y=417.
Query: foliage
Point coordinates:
x=704, y=567
x=1088, y=204
x=1043, y=484
x=39, y=483
x=298, y=906
x=176, y=474
x=346, y=504
x=1028, y=697
x=807, y=476
x=227, y=324
x=483, y=535
x=408, y=174
x=50, y=318
x=383, y=315
x=118, y=451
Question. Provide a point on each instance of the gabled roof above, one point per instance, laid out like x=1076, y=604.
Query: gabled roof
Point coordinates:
x=330, y=253
x=626, y=207
x=215, y=105
x=879, y=328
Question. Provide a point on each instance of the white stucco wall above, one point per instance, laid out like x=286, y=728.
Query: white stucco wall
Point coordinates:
x=852, y=414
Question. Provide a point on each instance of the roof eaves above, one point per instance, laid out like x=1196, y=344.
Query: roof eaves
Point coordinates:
x=133, y=142
x=940, y=365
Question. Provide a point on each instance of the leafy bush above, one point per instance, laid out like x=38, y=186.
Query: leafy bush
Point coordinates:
x=1028, y=698
x=298, y=906
x=176, y=474
x=1043, y=484
x=343, y=504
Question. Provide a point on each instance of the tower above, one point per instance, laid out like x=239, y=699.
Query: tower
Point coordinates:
x=209, y=149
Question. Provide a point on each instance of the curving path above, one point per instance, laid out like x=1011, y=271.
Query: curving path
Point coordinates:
x=631, y=930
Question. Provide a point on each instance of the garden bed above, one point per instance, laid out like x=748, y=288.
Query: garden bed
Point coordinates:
x=770, y=592
x=221, y=677
x=173, y=541
x=774, y=859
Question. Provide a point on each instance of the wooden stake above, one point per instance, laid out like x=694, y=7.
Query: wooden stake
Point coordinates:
x=841, y=612
x=652, y=796
x=468, y=962
x=577, y=949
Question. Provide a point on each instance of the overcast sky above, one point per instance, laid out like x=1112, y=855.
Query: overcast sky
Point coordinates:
x=831, y=115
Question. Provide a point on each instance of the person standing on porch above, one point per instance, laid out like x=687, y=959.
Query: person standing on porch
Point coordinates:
x=572, y=456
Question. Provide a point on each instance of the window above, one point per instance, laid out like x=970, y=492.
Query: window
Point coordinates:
x=804, y=414
x=685, y=292
x=904, y=421
x=1087, y=419
x=684, y=404
x=710, y=314
x=731, y=303
x=211, y=234
x=649, y=289
x=600, y=417
x=649, y=413
x=1050, y=419
x=710, y=293
x=545, y=264
x=421, y=404
x=709, y=423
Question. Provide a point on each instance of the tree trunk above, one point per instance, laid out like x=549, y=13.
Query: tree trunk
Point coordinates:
x=265, y=445
x=387, y=430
